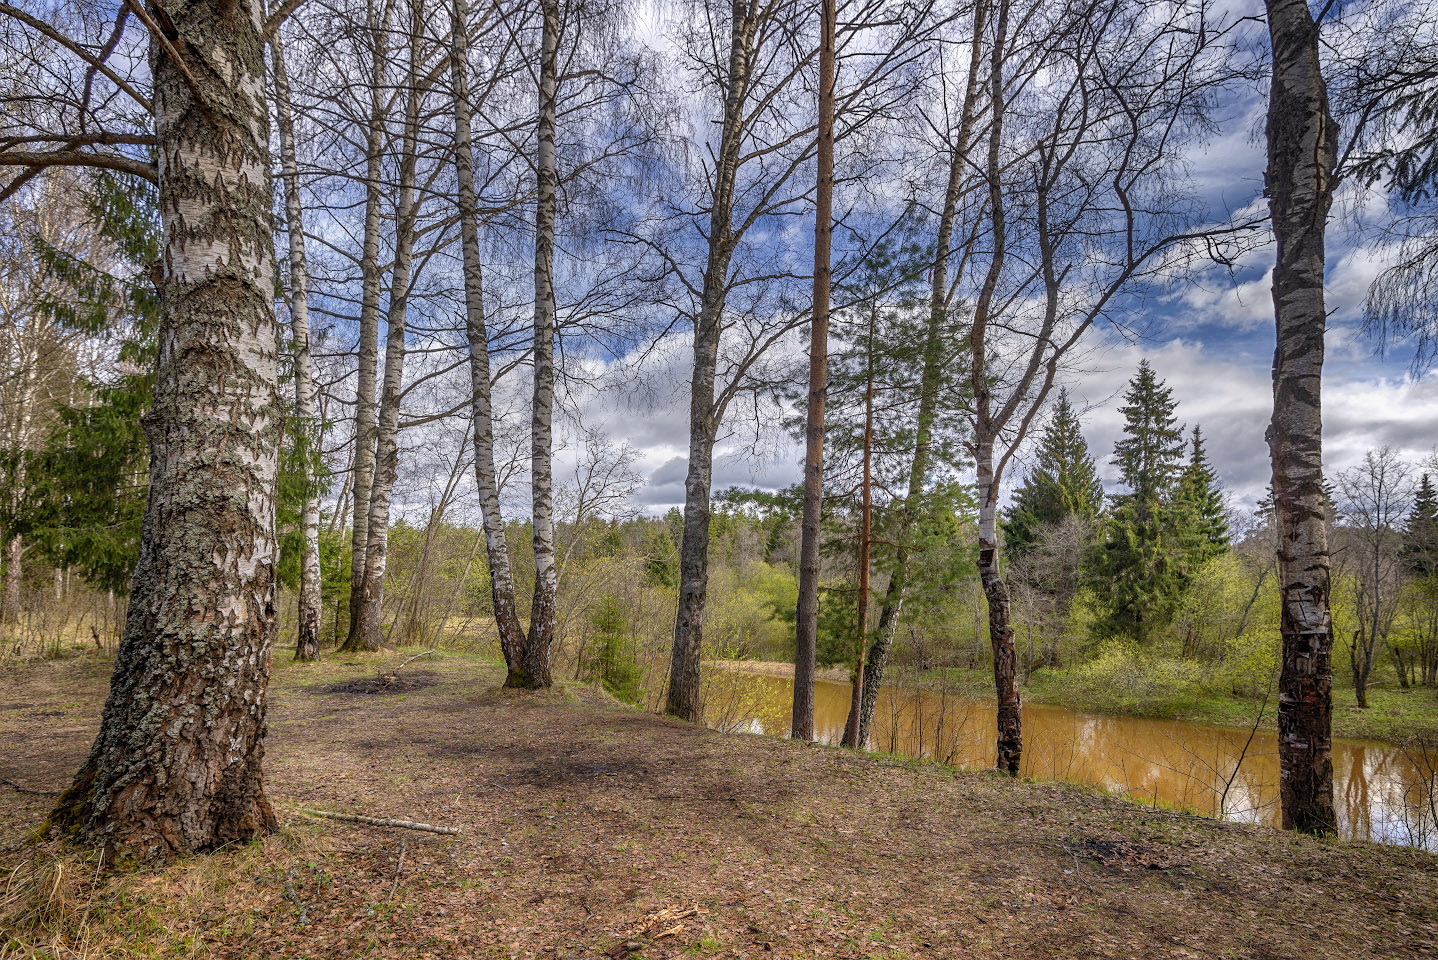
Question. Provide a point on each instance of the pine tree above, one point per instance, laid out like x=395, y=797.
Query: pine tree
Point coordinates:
x=1198, y=513
x=1138, y=566
x=1064, y=482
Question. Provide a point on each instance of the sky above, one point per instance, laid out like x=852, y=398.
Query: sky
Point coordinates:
x=1210, y=339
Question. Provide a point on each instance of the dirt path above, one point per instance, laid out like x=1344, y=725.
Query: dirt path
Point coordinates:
x=592, y=830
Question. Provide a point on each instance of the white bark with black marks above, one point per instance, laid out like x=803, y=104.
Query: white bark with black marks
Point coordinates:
x=307, y=639
x=176, y=767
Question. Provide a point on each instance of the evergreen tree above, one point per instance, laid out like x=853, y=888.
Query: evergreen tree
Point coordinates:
x=1150, y=455
x=1138, y=566
x=1420, y=532
x=89, y=482
x=1199, y=515
x=1064, y=482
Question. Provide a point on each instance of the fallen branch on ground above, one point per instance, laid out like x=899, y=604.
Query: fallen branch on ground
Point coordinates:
x=412, y=659
x=382, y=822
x=21, y=788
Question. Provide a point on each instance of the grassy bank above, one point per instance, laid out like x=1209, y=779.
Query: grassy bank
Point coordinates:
x=591, y=830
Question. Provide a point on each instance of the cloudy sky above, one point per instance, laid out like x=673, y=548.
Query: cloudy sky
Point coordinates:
x=1211, y=340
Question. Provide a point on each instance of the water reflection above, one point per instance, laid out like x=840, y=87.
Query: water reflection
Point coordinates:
x=1382, y=792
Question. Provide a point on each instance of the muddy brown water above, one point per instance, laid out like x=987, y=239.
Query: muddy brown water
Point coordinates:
x=1383, y=792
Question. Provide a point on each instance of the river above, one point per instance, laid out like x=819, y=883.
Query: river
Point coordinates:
x=1382, y=791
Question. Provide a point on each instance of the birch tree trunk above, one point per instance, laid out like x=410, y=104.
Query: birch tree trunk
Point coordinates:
x=533, y=670
x=1301, y=157
x=501, y=579
x=929, y=381
x=367, y=375
x=683, y=698
x=806, y=623
x=370, y=633
x=1009, y=743
x=14, y=577
x=176, y=767
x=307, y=639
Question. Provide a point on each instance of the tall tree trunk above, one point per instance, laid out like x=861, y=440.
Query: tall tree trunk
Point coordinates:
x=501, y=580
x=683, y=697
x=1001, y=632
x=987, y=426
x=370, y=632
x=534, y=668
x=806, y=622
x=367, y=375
x=929, y=381
x=1301, y=157
x=866, y=514
x=307, y=638
x=176, y=767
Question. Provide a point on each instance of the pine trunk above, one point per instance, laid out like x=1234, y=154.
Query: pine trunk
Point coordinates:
x=176, y=767
x=307, y=638
x=929, y=380
x=534, y=669
x=806, y=623
x=1301, y=157
x=501, y=579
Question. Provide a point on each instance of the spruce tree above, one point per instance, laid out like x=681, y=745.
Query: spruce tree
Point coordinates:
x=1420, y=532
x=1138, y=566
x=1064, y=482
x=1198, y=515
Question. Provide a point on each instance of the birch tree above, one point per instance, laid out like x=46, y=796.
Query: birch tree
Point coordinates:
x=1090, y=107
x=1302, y=154
x=307, y=635
x=176, y=766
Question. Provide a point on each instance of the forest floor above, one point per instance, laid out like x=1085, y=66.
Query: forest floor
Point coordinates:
x=591, y=830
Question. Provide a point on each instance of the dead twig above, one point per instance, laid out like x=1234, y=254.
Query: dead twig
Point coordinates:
x=382, y=822
x=398, y=869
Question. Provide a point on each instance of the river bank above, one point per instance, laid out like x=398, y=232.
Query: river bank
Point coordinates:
x=1394, y=715
x=591, y=830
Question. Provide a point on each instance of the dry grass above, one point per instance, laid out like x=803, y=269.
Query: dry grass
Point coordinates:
x=590, y=830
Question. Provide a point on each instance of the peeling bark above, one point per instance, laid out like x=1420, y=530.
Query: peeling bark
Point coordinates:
x=1301, y=158
x=176, y=767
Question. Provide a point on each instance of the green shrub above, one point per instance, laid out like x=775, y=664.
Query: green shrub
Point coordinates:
x=1123, y=679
